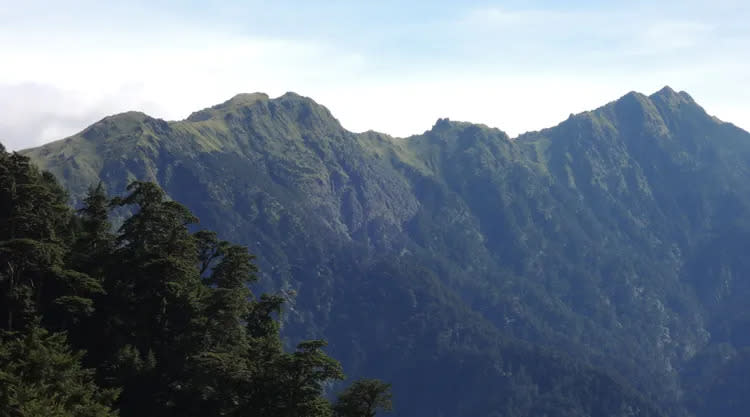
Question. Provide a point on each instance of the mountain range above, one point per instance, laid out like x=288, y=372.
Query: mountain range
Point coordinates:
x=597, y=267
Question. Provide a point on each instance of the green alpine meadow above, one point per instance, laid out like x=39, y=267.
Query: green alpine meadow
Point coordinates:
x=258, y=259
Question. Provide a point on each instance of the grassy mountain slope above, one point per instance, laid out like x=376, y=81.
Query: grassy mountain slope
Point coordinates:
x=614, y=237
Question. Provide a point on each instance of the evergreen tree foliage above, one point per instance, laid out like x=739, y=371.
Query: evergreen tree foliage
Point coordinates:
x=36, y=280
x=363, y=399
x=40, y=376
x=163, y=316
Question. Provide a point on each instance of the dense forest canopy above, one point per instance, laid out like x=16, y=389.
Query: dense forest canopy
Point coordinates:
x=151, y=320
x=593, y=268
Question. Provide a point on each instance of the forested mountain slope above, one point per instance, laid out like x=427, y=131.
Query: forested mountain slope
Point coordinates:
x=614, y=239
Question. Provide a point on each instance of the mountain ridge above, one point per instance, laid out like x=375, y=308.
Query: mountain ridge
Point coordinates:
x=247, y=100
x=588, y=237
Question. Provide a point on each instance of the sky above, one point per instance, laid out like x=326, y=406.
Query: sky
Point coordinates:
x=390, y=66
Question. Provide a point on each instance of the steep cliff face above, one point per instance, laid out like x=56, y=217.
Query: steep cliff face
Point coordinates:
x=615, y=237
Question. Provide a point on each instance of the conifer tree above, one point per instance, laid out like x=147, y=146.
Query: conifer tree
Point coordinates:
x=34, y=239
x=363, y=399
x=41, y=376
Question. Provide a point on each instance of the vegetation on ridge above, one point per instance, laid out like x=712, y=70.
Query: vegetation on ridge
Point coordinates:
x=611, y=244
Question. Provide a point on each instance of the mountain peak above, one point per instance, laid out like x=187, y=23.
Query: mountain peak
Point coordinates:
x=441, y=123
x=237, y=101
x=244, y=99
x=665, y=91
x=633, y=101
x=126, y=117
x=666, y=100
x=633, y=95
x=121, y=123
x=671, y=97
x=293, y=95
x=665, y=94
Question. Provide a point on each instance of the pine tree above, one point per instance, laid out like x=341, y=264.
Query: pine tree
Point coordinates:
x=95, y=240
x=363, y=399
x=154, y=302
x=41, y=376
x=35, y=280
